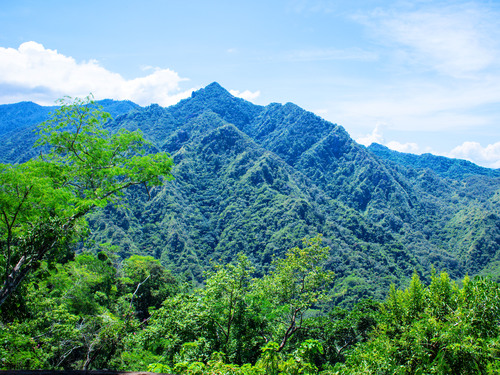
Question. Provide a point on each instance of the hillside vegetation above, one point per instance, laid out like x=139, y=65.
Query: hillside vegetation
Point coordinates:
x=190, y=272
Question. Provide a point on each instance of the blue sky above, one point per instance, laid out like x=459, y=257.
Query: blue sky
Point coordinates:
x=417, y=76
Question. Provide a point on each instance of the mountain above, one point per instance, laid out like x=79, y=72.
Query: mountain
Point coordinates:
x=444, y=167
x=257, y=179
x=18, y=125
x=20, y=115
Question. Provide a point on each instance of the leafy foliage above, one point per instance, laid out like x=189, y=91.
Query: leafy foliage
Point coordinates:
x=79, y=316
x=297, y=283
x=237, y=314
x=43, y=201
x=436, y=329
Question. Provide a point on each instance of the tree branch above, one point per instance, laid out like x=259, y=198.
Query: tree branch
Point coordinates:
x=137, y=289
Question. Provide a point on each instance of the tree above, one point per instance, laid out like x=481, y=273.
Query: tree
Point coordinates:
x=147, y=283
x=231, y=312
x=81, y=166
x=217, y=318
x=241, y=316
x=74, y=318
x=297, y=283
x=438, y=329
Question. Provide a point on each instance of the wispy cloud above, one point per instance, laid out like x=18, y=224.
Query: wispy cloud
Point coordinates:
x=421, y=106
x=456, y=40
x=441, y=70
x=33, y=72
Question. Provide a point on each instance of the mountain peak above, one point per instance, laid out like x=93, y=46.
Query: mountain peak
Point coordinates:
x=215, y=86
x=212, y=90
x=218, y=100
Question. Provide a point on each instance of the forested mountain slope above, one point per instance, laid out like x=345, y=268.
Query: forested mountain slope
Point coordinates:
x=21, y=115
x=257, y=179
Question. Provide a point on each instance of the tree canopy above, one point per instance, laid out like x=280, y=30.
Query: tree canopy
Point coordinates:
x=81, y=166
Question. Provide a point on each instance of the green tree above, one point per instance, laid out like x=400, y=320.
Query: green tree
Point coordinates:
x=219, y=317
x=231, y=312
x=180, y=320
x=340, y=330
x=239, y=315
x=439, y=329
x=81, y=166
x=146, y=283
x=70, y=321
x=297, y=283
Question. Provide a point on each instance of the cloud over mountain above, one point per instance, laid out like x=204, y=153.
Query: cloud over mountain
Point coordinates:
x=473, y=151
x=33, y=72
x=247, y=94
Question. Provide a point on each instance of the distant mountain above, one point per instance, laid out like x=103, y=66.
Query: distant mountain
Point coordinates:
x=445, y=167
x=18, y=125
x=257, y=179
x=117, y=107
x=21, y=115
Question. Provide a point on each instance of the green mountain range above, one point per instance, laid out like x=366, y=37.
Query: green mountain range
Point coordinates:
x=257, y=179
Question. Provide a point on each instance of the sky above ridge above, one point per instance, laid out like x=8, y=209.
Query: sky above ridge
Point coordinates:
x=416, y=76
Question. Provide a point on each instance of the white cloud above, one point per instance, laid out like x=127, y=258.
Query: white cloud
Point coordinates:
x=374, y=137
x=488, y=156
x=409, y=147
x=35, y=73
x=247, y=94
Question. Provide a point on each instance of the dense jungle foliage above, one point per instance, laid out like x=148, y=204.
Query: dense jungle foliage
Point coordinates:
x=194, y=275
x=95, y=312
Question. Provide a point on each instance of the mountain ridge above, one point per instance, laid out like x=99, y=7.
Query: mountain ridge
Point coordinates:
x=257, y=179
x=444, y=166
